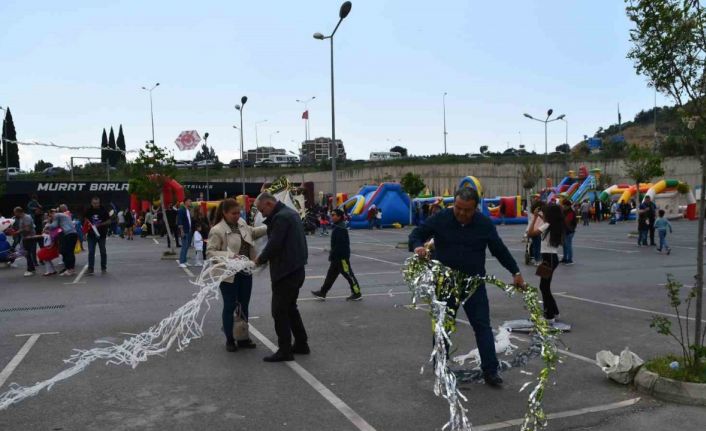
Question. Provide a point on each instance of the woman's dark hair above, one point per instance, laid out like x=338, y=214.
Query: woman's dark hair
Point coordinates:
x=555, y=217
x=225, y=206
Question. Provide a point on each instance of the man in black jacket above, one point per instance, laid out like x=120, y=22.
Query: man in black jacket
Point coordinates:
x=461, y=236
x=339, y=256
x=287, y=253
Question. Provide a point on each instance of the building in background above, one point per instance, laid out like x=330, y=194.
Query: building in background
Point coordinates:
x=264, y=153
x=316, y=150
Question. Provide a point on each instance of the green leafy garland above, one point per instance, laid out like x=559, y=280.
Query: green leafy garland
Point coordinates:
x=435, y=284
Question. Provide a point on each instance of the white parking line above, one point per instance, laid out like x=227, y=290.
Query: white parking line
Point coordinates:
x=80, y=275
x=365, y=257
x=15, y=361
x=319, y=387
x=155, y=241
x=364, y=295
x=558, y=415
x=310, y=277
x=188, y=272
x=625, y=307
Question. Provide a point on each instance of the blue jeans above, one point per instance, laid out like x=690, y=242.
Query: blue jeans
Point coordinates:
x=235, y=294
x=185, y=245
x=642, y=237
x=92, y=241
x=663, y=239
x=569, y=247
x=536, y=249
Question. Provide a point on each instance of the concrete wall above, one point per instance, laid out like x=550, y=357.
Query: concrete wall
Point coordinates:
x=498, y=179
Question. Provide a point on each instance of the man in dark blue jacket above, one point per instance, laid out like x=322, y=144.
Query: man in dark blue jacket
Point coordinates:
x=184, y=227
x=340, y=258
x=287, y=253
x=461, y=236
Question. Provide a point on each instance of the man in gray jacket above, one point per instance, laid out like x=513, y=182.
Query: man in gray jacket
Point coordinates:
x=287, y=253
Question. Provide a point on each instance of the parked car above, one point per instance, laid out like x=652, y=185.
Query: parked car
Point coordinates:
x=477, y=156
x=12, y=171
x=184, y=164
x=54, y=171
x=264, y=163
x=205, y=163
x=235, y=163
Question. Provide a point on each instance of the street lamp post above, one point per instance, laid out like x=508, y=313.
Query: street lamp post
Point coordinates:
x=205, y=142
x=445, y=133
x=257, y=141
x=342, y=13
x=546, y=121
x=273, y=133
x=239, y=108
x=4, y=148
x=149, y=90
x=306, y=109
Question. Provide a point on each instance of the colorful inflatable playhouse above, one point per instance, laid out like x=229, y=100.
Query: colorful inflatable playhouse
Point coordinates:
x=576, y=189
x=514, y=214
x=665, y=194
x=389, y=197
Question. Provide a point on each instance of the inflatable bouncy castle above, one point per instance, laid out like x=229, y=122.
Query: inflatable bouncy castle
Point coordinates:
x=388, y=197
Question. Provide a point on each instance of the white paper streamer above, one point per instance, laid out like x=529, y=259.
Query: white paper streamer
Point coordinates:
x=181, y=327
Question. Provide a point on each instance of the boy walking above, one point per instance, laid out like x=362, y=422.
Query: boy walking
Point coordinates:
x=662, y=224
x=339, y=256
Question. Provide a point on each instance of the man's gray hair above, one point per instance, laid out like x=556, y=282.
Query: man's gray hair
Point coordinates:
x=266, y=196
x=63, y=208
x=467, y=194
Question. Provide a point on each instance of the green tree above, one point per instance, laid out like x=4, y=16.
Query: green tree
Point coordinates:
x=531, y=173
x=104, y=147
x=152, y=168
x=412, y=183
x=669, y=48
x=120, y=143
x=399, y=149
x=11, y=149
x=112, y=154
x=41, y=165
x=642, y=165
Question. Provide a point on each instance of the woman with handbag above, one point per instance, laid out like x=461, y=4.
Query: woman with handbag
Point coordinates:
x=231, y=236
x=550, y=229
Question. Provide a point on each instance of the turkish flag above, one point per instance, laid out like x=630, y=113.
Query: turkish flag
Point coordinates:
x=305, y=115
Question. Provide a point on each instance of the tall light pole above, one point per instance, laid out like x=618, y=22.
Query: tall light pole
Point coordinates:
x=273, y=133
x=257, y=142
x=443, y=101
x=306, y=109
x=205, y=142
x=566, y=123
x=545, y=121
x=342, y=13
x=149, y=90
x=4, y=148
x=240, y=108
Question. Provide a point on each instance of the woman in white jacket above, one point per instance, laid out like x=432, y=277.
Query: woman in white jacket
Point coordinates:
x=229, y=237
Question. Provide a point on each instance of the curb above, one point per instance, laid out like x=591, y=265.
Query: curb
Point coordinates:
x=670, y=390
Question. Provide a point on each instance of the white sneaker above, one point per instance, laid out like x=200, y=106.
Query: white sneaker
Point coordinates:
x=14, y=265
x=182, y=265
x=29, y=273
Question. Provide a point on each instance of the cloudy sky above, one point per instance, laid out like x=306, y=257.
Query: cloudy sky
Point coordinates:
x=69, y=69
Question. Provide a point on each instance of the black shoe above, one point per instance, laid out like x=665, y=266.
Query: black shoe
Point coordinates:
x=493, y=379
x=355, y=297
x=279, y=357
x=90, y=271
x=230, y=346
x=318, y=295
x=301, y=349
x=246, y=344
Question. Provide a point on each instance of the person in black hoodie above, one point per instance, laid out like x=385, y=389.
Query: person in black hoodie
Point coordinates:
x=339, y=256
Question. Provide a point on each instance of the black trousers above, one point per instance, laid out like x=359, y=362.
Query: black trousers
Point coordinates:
x=652, y=232
x=343, y=267
x=30, y=246
x=66, y=247
x=545, y=284
x=285, y=313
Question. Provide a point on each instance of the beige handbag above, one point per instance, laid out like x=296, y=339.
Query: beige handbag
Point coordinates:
x=240, y=329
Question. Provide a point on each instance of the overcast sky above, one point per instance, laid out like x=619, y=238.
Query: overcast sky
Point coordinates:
x=69, y=69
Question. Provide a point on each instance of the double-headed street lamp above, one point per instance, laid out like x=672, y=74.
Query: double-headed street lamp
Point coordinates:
x=240, y=108
x=342, y=13
x=257, y=141
x=149, y=90
x=546, y=121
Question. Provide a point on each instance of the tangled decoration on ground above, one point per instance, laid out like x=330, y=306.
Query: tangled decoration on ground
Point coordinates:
x=181, y=327
x=435, y=284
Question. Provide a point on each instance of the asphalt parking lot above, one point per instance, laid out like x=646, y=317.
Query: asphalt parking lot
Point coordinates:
x=364, y=369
